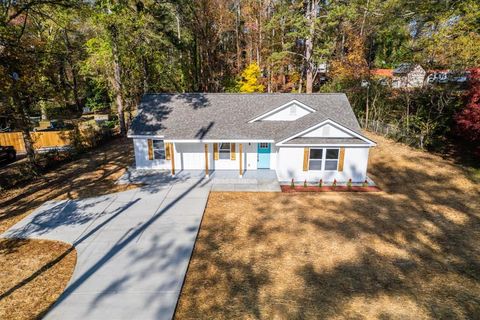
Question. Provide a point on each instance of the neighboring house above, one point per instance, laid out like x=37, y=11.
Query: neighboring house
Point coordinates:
x=300, y=136
x=383, y=76
x=448, y=76
x=408, y=76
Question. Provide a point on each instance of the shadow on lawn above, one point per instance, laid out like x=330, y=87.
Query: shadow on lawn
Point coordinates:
x=349, y=255
x=93, y=175
x=143, y=261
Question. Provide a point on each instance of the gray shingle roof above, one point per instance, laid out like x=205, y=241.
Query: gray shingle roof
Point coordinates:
x=339, y=141
x=226, y=115
x=404, y=68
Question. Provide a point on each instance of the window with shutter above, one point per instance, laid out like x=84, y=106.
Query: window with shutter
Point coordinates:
x=224, y=152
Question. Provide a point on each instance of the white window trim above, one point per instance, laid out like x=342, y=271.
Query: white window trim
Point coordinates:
x=324, y=159
x=164, y=150
x=229, y=151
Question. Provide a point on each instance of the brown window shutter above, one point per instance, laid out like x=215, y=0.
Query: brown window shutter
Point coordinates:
x=232, y=151
x=306, y=153
x=168, y=151
x=341, y=159
x=150, y=149
x=215, y=151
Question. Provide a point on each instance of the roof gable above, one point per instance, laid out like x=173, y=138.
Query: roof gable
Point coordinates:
x=289, y=111
x=325, y=131
x=406, y=68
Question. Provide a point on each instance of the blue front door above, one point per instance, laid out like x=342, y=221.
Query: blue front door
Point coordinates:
x=263, y=156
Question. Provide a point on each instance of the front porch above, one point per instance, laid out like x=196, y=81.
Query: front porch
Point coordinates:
x=219, y=180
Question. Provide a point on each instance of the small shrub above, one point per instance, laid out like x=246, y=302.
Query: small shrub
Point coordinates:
x=320, y=183
x=305, y=183
x=365, y=183
x=110, y=124
x=349, y=183
x=292, y=184
x=334, y=184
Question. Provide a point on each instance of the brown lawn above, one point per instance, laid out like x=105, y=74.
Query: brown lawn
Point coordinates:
x=33, y=274
x=92, y=175
x=410, y=252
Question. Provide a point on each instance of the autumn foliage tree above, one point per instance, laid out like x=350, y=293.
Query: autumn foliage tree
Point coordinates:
x=468, y=119
x=250, y=79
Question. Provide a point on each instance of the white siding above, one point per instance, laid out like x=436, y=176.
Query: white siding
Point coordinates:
x=290, y=165
x=190, y=156
x=328, y=131
x=141, y=157
x=251, y=155
x=273, y=156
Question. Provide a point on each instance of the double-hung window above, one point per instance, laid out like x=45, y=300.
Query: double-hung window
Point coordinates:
x=315, y=161
x=331, y=160
x=158, y=149
x=224, y=151
x=323, y=159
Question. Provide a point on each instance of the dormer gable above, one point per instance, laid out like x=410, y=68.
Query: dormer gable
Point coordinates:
x=289, y=111
x=327, y=131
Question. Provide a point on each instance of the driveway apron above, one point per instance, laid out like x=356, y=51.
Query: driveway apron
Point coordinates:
x=133, y=248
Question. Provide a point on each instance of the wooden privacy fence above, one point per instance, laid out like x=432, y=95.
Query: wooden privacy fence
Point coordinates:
x=41, y=140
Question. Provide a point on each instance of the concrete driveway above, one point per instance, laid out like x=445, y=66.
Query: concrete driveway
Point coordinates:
x=133, y=248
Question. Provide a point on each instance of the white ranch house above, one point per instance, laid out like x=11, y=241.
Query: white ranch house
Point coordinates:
x=299, y=136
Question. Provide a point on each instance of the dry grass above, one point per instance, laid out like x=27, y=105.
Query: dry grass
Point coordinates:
x=92, y=175
x=410, y=252
x=33, y=274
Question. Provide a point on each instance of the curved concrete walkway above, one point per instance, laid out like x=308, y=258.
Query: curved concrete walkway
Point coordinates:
x=133, y=248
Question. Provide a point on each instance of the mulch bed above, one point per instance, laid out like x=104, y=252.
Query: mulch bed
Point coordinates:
x=289, y=189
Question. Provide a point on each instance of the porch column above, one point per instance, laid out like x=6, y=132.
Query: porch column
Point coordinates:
x=240, y=153
x=172, y=155
x=206, y=161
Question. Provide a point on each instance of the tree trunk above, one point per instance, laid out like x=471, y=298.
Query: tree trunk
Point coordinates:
x=237, y=36
x=364, y=20
x=311, y=16
x=366, y=108
x=73, y=67
x=23, y=122
x=119, y=98
x=27, y=139
x=75, y=87
x=117, y=84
